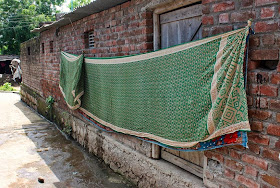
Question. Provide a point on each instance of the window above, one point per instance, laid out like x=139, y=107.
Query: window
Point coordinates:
x=43, y=48
x=89, y=40
x=51, y=46
x=28, y=50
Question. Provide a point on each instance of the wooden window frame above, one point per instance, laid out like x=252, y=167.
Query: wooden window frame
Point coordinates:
x=156, y=150
x=163, y=9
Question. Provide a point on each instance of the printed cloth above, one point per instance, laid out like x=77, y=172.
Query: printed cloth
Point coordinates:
x=71, y=84
x=183, y=97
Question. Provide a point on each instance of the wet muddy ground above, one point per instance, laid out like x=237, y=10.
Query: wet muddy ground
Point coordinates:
x=31, y=147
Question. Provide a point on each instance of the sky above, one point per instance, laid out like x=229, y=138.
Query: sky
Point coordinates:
x=64, y=7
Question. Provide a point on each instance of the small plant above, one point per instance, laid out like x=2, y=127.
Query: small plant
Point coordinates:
x=49, y=102
x=67, y=129
x=6, y=87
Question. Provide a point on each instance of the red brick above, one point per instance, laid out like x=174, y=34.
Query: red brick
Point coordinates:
x=233, y=164
x=224, y=18
x=261, y=163
x=270, y=154
x=238, y=147
x=256, y=126
x=252, y=65
x=264, y=2
x=125, y=5
x=268, y=39
x=242, y=16
x=259, y=114
x=221, y=29
x=234, y=154
x=267, y=12
x=146, y=46
x=277, y=144
x=223, y=150
x=275, y=104
x=278, y=117
x=271, y=180
x=258, y=138
x=273, y=130
x=246, y=3
x=205, y=9
x=214, y=156
x=266, y=26
x=147, y=30
x=223, y=6
x=246, y=181
x=254, y=41
x=275, y=79
x=229, y=173
x=207, y=20
x=208, y=1
x=254, y=148
x=147, y=15
x=251, y=171
x=264, y=54
x=267, y=90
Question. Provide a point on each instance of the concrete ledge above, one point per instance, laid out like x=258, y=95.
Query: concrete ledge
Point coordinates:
x=124, y=154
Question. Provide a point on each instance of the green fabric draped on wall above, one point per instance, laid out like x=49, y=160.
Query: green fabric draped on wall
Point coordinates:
x=178, y=96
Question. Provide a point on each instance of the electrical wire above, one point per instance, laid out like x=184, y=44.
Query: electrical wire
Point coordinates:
x=16, y=27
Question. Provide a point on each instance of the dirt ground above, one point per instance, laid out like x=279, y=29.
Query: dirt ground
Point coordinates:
x=31, y=147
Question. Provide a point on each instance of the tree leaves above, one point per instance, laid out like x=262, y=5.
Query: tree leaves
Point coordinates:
x=18, y=18
x=77, y=3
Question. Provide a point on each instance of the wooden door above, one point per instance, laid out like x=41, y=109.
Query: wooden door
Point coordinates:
x=180, y=26
x=177, y=27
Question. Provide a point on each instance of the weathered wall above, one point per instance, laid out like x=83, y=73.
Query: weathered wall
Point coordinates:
x=121, y=30
x=128, y=29
x=259, y=165
x=31, y=64
x=119, y=152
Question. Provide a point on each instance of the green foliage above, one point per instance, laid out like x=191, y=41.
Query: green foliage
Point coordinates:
x=77, y=3
x=6, y=87
x=19, y=17
x=49, y=102
x=67, y=129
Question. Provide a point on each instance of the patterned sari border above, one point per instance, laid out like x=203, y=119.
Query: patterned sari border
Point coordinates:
x=234, y=128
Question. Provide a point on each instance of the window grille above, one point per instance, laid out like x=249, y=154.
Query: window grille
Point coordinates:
x=91, y=42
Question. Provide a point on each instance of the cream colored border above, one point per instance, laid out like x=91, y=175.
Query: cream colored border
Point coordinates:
x=159, y=53
x=233, y=128
x=77, y=98
x=71, y=57
x=214, y=92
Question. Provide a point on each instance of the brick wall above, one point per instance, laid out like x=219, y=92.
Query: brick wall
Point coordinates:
x=31, y=64
x=259, y=165
x=128, y=29
x=118, y=31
